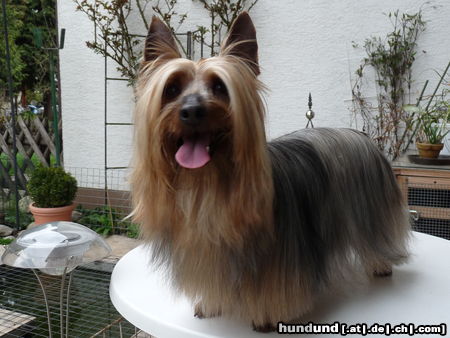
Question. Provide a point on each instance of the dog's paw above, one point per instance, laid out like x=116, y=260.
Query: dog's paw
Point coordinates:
x=382, y=273
x=265, y=328
x=382, y=269
x=200, y=314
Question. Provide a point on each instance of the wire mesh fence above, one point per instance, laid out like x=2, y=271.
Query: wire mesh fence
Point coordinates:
x=91, y=313
x=432, y=204
x=103, y=201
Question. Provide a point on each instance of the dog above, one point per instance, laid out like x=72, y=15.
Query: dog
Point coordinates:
x=245, y=227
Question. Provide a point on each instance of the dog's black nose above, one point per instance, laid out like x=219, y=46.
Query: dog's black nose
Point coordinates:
x=192, y=110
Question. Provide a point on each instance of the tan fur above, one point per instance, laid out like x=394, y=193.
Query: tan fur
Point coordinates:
x=156, y=178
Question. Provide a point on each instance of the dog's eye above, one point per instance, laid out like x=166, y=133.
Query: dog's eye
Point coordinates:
x=218, y=88
x=172, y=91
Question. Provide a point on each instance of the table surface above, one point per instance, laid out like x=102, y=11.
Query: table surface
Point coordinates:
x=403, y=162
x=418, y=292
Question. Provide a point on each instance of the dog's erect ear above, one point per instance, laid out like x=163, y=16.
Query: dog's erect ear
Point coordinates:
x=241, y=41
x=160, y=42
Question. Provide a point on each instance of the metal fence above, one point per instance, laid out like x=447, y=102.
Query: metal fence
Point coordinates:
x=104, y=209
x=91, y=313
x=431, y=204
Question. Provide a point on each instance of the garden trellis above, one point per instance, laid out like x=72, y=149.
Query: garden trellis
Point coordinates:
x=34, y=142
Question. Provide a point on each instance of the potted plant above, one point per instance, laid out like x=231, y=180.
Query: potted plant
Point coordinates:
x=52, y=191
x=431, y=129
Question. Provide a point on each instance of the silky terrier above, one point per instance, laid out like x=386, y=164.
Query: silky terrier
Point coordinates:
x=246, y=227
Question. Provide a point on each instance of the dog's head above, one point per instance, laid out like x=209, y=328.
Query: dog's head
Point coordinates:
x=200, y=159
x=190, y=114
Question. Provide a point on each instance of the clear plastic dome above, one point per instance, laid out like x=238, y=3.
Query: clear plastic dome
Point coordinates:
x=55, y=246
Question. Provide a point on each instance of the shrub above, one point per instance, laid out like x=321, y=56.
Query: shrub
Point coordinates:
x=52, y=187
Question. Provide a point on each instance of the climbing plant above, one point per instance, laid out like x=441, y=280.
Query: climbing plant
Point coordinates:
x=391, y=58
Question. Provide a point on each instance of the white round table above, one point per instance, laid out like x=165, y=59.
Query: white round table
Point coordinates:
x=418, y=292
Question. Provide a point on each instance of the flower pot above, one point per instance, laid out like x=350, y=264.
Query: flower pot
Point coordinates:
x=46, y=215
x=428, y=150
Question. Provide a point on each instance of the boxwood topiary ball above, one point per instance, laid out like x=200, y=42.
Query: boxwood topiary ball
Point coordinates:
x=52, y=187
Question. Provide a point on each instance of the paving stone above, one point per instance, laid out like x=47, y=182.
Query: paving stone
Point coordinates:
x=24, y=204
x=5, y=230
x=120, y=245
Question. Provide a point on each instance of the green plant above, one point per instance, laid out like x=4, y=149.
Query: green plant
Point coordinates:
x=7, y=163
x=107, y=221
x=30, y=66
x=36, y=161
x=100, y=219
x=51, y=187
x=4, y=159
x=10, y=214
x=432, y=126
x=431, y=122
x=392, y=58
x=22, y=162
x=133, y=230
x=6, y=241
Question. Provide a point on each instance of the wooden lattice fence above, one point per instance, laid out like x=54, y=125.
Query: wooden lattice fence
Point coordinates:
x=35, y=144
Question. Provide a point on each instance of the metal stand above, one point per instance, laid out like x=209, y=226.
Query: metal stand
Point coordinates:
x=63, y=303
x=53, y=52
x=13, y=111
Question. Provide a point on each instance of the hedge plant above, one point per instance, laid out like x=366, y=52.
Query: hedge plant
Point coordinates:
x=52, y=187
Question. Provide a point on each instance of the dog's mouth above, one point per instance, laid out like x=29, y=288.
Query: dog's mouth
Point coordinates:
x=194, y=151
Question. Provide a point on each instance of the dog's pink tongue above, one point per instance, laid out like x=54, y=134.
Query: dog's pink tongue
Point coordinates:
x=193, y=153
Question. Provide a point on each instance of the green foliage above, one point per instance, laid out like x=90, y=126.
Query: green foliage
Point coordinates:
x=431, y=121
x=7, y=163
x=36, y=162
x=51, y=187
x=107, y=221
x=392, y=59
x=30, y=67
x=10, y=214
x=101, y=219
x=6, y=241
x=133, y=230
x=433, y=131
x=15, y=27
x=4, y=159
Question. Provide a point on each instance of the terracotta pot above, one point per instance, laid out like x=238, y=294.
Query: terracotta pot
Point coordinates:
x=428, y=150
x=46, y=215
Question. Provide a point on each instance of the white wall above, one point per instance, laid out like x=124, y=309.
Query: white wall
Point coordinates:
x=305, y=46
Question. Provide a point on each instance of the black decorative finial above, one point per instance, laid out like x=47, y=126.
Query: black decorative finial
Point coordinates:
x=310, y=114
